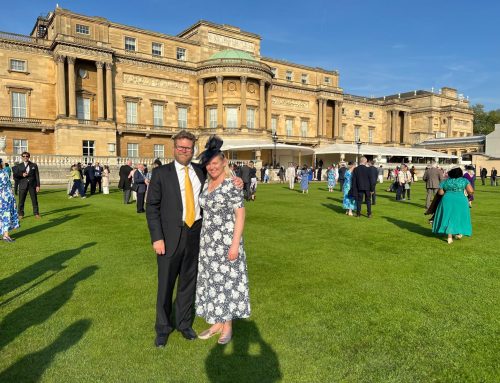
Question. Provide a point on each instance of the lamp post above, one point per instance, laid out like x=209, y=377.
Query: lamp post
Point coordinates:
x=275, y=141
x=358, y=143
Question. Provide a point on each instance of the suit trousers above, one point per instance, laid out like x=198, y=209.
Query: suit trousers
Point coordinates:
x=181, y=266
x=341, y=184
x=23, y=192
x=126, y=195
x=246, y=190
x=140, y=202
x=291, y=182
x=359, y=201
x=431, y=192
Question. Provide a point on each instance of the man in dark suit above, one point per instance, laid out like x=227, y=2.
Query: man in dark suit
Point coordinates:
x=342, y=171
x=362, y=185
x=174, y=220
x=98, y=169
x=245, y=176
x=374, y=176
x=28, y=179
x=483, y=173
x=89, y=178
x=125, y=181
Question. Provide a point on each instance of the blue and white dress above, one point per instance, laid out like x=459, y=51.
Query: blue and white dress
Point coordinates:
x=348, y=202
x=9, y=219
x=331, y=178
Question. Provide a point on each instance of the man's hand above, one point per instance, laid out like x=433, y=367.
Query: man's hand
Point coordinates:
x=25, y=174
x=159, y=247
x=238, y=182
x=37, y=189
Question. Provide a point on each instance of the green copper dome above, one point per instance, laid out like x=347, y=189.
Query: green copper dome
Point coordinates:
x=232, y=54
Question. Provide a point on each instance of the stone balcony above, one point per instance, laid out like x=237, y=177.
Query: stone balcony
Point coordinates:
x=25, y=122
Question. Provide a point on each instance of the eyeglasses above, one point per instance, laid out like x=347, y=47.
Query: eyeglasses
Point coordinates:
x=24, y=155
x=184, y=148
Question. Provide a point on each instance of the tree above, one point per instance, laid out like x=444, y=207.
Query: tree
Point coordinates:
x=484, y=122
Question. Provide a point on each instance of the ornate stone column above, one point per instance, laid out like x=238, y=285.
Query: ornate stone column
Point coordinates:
x=100, y=90
x=388, y=133
x=320, y=118
x=71, y=87
x=262, y=103
x=201, y=103
x=243, y=98
x=449, y=130
x=109, y=91
x=325, y=102
x=220, y=114
x=269, y=108
x=337, y=120
x=429, y=124
x=394, y=125
x=61, y=87
x=406, y=128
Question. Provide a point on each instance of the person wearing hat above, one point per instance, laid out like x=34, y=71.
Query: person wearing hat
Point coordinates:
x=9, y=219
x=471, y=177
x=222, y=293
x=174, y=218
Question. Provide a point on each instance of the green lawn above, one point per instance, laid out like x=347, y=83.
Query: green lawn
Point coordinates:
x=334, y=298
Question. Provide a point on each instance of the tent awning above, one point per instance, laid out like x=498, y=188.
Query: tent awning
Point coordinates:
x=380, y=150
x=237, y=145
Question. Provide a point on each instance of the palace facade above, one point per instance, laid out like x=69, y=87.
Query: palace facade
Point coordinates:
x=86, y=86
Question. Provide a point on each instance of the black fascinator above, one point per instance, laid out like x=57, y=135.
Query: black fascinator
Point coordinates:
x=212, y=148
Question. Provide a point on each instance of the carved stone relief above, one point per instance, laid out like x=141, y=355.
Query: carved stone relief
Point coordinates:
x=289, y=103
x=154, y=82
x=230, y=42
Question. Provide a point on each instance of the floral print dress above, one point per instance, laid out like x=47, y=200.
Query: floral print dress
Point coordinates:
x=222, y=286
x=9, y=219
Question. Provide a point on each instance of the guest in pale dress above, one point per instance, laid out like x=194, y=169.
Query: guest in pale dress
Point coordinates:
x=105, y=180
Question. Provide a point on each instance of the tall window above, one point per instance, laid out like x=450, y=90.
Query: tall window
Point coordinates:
x=181, y=54
x=157, y=49
x=342, y=130
x=88, y=148
x=357, y=113
x=275, y=72
x=157, y=115
x=130, y=44
x=357, y=130
x=212, y=117
x=158, y=151
x=303, y=128
x=83, y=108
x=18, y=65
x=304, y=78
x=82, y=29
x=371, y=114
x=20, y=146
x=131, y=112
x=274, y=124
x=19, y=108
x=370, y=135
x=232, y=117
x=327, y=80
x=289, y=126
x=132, y=150
x=250, y=118
x=289, y=75
x=182, y=117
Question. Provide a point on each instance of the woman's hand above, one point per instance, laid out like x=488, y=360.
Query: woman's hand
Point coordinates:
x=232, y=254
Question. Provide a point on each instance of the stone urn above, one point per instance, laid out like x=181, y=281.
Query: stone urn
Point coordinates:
x=3, y=144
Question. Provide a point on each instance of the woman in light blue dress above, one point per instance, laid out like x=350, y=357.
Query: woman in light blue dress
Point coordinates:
x=9, y=219
x=349, y=202
x=304, y=180
x=330, y=174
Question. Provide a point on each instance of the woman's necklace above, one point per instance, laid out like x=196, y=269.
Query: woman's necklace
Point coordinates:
x=212, y=185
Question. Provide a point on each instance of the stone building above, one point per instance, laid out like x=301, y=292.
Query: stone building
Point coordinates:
x=81, y=86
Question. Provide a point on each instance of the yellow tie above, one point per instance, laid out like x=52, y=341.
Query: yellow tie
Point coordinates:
x=188, y=187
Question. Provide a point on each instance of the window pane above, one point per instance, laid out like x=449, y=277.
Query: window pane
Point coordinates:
x=18, y=65
x=251, y=118
x=88, y=148
x=232, y=117
x=83, y=108
x=132, y=150
x=83, y=29
x=289, y=126
x=20, y=146
x=129, y=44
x=158, y=115
x=131, y=112
x=182, y=117
x=274, y=124
x=303, y=128
x=19, y=104
x=181, y=54
x=159, y=151
x=213, y=117
x=157, y=49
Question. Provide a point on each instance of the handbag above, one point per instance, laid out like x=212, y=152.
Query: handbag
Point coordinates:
x=134, y=187
x=407, y=186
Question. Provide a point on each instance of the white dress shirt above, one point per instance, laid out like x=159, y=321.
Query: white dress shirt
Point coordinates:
x=27, y=166
x=195, y=181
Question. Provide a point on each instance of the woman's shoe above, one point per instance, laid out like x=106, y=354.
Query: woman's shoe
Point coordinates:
x=225, y=338
x=209, y=333
x=450, y=241
x=8, y=239
x=458, y=236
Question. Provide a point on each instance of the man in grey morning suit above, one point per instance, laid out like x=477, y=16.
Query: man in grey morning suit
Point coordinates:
x=432, y=177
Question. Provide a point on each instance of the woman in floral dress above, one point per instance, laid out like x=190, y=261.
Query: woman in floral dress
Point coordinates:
x=330, y=174
x=222, y=284
x=349, y=202
x=8, y=211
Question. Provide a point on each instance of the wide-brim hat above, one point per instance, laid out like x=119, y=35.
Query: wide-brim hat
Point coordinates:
x=212, y=149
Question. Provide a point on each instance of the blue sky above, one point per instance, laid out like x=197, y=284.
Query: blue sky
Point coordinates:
x=379, y=47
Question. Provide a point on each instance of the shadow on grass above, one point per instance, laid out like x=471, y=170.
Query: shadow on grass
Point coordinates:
x=410, y=226
x=50, y=224
x=53, y=263
x=336, y=208
x=64, y=209
x=252, y=359
x=393, y=199
x=41, y=308
x=292, y=190
x=39, y=361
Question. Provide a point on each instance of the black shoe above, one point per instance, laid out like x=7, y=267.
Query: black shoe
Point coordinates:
x=188, y=333
x=161, y=340
x=369, y=215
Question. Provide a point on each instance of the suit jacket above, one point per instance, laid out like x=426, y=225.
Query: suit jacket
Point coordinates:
x=164, y=206
x=362, y=179
x=373, y=175
x=32, y=180
x=432, y=178
x=140, y=181
x=124, y=182
x=89, y=172
x=342, y=171
x=245, y=174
